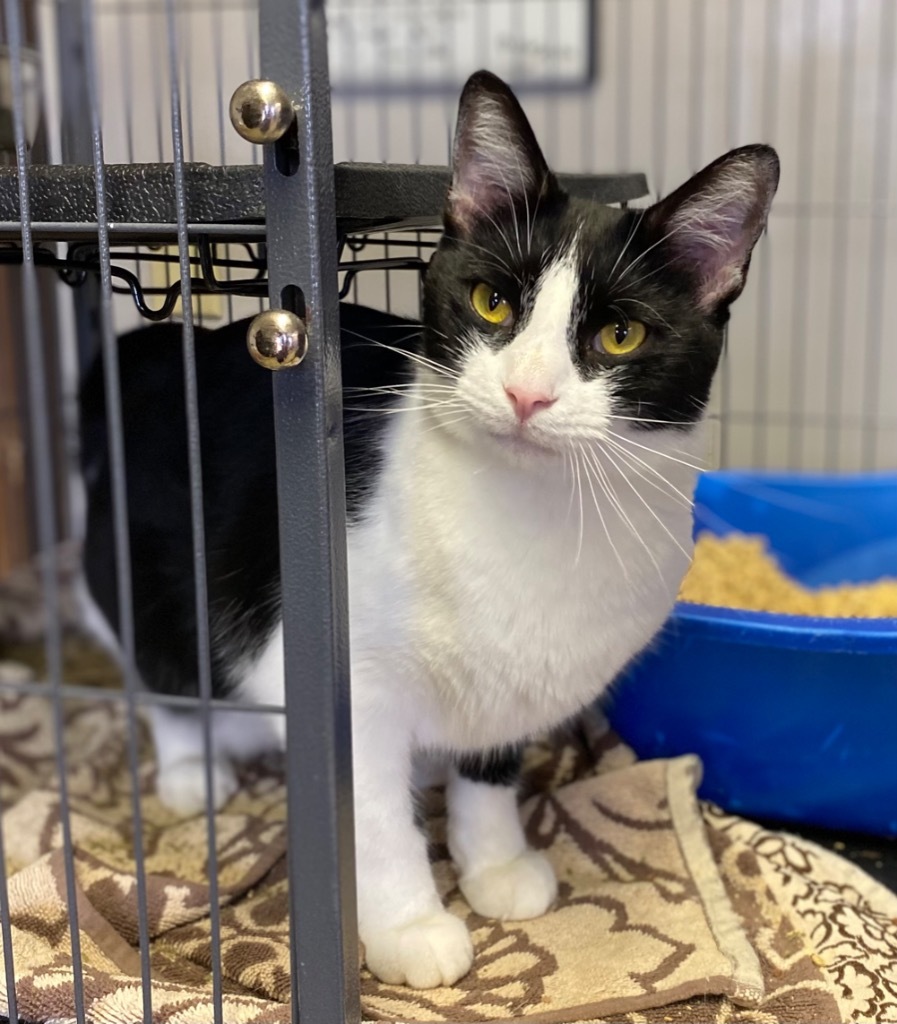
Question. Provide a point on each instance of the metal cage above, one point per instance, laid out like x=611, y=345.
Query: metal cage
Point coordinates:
x=127, y=191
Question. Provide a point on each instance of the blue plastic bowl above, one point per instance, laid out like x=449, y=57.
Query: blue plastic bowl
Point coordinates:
x=795, y=718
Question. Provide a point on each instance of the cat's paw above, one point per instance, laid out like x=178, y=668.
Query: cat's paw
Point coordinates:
x=425, y=953
x=182, y=786
x=524, y=887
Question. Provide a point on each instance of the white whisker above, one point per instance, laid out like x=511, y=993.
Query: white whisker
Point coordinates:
x=649, y=274
x=651, y=309
x=416, y=357
x=677, y=495
x=668, y=423
x=655, y=451
x=607, y=487
x=643, y=254
x=401, y=389
x=489, y=252
x=601, y=514
x=568, y=461
x=641, y=498
x=607, y=452
x=631, y=235
x=393, y=409
x=495, y=224
x=448, y=422
x=581, y=514
x=513, y=211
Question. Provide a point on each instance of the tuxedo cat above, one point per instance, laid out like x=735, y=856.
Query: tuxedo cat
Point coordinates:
x=519, y=522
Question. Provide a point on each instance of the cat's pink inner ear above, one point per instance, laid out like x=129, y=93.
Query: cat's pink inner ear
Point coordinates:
x=491, y=168
x=485, y=189
x=717, y=239
x=496, y=163
x=713, y=227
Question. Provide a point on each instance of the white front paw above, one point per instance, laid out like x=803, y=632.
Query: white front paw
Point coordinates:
x=425, y=953
x=524, y=887
x=182, y=786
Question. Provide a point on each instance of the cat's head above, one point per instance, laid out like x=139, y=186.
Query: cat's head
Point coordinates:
x=556, y=319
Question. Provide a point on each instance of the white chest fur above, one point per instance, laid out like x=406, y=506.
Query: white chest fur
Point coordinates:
x=500, y=599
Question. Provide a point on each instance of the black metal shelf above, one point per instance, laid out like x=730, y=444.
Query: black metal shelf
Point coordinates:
x=227, y=203
x=226, y=209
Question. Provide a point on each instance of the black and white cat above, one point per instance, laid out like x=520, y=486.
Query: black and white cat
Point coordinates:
x=517, y=532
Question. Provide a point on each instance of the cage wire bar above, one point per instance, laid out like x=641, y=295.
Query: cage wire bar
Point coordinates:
x=121, y=538
x=197, y=522
x=45, y=491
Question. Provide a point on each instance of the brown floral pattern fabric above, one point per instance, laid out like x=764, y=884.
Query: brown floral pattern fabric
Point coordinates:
x=659, y=917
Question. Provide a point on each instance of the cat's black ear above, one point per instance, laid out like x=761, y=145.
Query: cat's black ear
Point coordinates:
x=497, y=165
x=712, y=222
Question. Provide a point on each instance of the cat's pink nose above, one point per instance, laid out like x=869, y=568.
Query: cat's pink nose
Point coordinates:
x=527, y=402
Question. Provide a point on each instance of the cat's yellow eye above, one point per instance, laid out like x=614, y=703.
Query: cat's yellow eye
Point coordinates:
x=622, y=337
x=490, y=304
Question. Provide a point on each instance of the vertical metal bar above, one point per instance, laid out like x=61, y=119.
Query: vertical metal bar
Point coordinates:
x=734, y=52
x=203, y=640
x=9, y=965
x=311, y=484
x=112, y=385
x=186, y=29
x=252, y=50
x=72, y=87
x=126, y=49
x=44, y=486
x=552, y=121
x=126, y=63
x=75, y=145
x=696, y=83
x=350, y=104
x=218, y=51
x=841, y=225
x=800, y=281
x=187, y=32
x=762, y=347
x=878, y=243
x=661, y=45
x=155, y=43
x=624, y=84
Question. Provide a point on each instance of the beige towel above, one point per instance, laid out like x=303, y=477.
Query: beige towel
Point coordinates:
x=647, y=927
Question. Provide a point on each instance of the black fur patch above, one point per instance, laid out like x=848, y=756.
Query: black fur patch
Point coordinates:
x=493, y=767
x=239, y=486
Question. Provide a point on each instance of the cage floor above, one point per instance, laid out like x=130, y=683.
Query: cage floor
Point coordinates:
x=720, y=916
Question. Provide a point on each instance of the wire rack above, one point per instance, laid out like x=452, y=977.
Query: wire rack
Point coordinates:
x=226, y=209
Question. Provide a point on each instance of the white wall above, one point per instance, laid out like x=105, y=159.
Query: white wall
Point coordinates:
x=811, y=379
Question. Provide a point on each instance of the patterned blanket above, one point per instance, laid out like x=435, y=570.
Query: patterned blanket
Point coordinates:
x=668, y=910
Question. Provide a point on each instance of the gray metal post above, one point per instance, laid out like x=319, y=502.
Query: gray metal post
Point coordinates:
x=301, y=226
x=77, y=148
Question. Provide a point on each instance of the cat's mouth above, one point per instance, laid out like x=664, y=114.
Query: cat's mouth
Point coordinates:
x=523, y=441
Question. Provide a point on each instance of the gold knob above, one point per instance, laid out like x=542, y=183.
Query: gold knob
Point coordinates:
x=277, y=339
x=261, y=111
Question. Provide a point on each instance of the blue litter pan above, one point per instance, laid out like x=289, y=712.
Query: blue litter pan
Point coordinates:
x=795, y=718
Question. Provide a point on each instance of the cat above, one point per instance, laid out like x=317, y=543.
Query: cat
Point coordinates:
x=517, y=533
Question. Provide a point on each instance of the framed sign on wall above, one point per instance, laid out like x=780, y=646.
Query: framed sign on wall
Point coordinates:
x=404, y=47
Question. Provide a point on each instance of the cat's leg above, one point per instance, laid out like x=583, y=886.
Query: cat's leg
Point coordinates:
x=409, y=938
x=180, y=753
x=500, y=875
x=180, y=762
